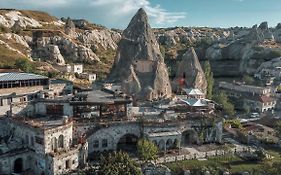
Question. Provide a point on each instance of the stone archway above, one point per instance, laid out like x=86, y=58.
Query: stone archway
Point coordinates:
x=128, y=143
x=169, y=144
x=189, y=137
x=18, y=165
x=162, y=145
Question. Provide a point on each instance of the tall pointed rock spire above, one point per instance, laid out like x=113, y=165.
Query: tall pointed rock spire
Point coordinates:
x=138, y=56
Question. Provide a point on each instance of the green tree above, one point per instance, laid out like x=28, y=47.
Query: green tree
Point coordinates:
x=118, y=163
x=24, y=65
x=209, y=78
x=222, y=99
x=247, y=109
x=147, y=150
x=248, y=79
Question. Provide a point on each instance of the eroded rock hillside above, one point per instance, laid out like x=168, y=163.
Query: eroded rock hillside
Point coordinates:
x=50, y=43
x=39, y=37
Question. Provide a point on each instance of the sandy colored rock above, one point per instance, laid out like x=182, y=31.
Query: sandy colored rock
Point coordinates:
x=190, y=70
x=139, y=63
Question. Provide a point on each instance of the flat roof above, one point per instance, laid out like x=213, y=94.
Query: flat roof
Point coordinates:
x=16, y=76
x=45, y=122
x=97, y=97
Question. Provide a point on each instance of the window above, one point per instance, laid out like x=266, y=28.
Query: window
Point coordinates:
x=104, y=143
x=22, y=99
x=1, y=102
x=96, y=144
x=67, y=164
x=60, y=141
x=54, y=143
x=26, y=139
x=9, y=101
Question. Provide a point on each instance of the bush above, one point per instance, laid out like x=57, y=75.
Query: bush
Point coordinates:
x=118, y=164
x=24, y=65
x=234, y=123
x=147, y=150
x=248, y=79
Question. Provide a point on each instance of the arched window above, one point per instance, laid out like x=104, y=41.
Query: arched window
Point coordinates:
x=26, y=139
x=54, y=143
x=60, y=141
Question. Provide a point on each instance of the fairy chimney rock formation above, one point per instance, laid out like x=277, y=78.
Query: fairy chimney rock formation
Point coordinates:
x=190, y=73
x=69, y=27
x=139, y=65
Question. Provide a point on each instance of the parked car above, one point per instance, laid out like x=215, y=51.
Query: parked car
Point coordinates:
x=255, y=115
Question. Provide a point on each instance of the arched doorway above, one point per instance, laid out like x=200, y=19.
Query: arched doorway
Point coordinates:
x=189, y=137
x=128, y=143
x=18, y=165
x=169, y=144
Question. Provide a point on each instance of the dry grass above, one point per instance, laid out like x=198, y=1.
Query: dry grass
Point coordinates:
x=8, y=57
x=38, y=15
x=102, y=68
x=12, y=43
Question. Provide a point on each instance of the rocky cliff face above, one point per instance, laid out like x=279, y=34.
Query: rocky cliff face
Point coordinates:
x=67, y=47
x=139, y=65
x=190, y=71
x=56, y=41
x=231, y=51
x=245, y=53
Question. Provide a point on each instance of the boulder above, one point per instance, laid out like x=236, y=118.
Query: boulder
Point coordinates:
x=55, y=55
x=138, y=51
x=68, y=48
x=260, y=34
x=100, y=39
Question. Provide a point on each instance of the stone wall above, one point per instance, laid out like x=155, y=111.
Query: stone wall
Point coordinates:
x=7, y=162
x=40, y=108
x=53, y=136
x=112, y=134
x=21, y=90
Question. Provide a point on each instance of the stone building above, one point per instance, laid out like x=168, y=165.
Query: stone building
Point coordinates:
x=17, y=90
x=74, y=68
x=104, y=121
x=41, y=145
x=250, y=97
